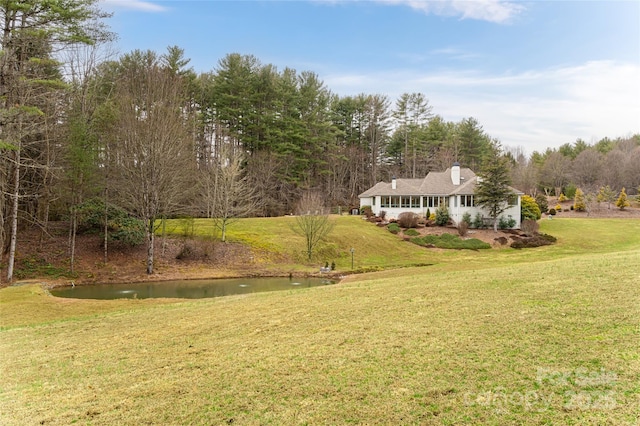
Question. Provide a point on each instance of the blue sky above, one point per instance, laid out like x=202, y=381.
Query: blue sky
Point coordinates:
x=535, y=74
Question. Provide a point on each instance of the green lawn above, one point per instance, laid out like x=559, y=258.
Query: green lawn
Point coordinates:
x=537, y=336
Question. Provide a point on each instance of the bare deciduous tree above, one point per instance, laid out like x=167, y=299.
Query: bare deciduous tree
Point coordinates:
x=312, y=221
x=231, y=193
x=152, y=151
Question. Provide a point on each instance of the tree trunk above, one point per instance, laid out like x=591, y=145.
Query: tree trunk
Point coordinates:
x=150, y=239
x=73, y=231
x=14, y=218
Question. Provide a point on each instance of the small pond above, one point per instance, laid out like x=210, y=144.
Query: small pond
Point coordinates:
x=187, y=289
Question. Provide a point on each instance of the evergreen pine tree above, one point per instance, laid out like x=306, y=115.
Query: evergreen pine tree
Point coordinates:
x=579, y=203
x=622, y=201
x=493, y=191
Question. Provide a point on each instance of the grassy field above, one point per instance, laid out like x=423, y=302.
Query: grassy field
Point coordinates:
x=539, y=336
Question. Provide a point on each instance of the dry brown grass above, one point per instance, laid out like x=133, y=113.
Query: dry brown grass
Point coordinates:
x=546, y=337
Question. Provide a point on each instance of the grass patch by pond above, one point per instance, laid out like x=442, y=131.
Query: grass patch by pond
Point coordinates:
x=538, y=336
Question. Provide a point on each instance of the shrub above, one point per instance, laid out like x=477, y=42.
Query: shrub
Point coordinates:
x=558, y=208
x=366, y=210
x=463, y=227
x=530, y=227
x=478, y=223
x=432, y=216
x=394, y=228
x=542, y=202
x=622, y=200
x=535, y=241
x=570, y=191
x=504, y=223
x=467, y=218
x=450, y=241
x=411, y=232
x=552, y=212
x=442, y=215
x=408, y=220
x=382, y=214
x=428, y=215
x=333, y=265
x=120, y=225
x=579, y=203
x=562, y=198
x=529, y=208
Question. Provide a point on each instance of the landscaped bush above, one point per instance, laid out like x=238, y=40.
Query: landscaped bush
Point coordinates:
x=530, y=227
x=552, y=212
x=529, y=208
x=463, y=227
x=542, y=202
x=579, y=202
x=570, y=191
x=506, y=223
x=366, y=210
x=411, y=232
x=394, y=228
x=467, y=218
x=383, y=214
x=408, y=220
x=442, y=215
x=478, y=223
x=535, y=241
x=450, y=241
x=622, y=200
x=558, y=208
x=562, y=198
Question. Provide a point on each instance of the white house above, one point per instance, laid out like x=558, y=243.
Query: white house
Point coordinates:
x=454, y=188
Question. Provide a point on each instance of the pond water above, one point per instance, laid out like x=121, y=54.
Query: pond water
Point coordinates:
x=187, y=289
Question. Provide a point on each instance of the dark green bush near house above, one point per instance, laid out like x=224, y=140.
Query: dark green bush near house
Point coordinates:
x=450, y=241
x=442, y=215
x=411, y=232
x=506, y=223
x=466, y=218
x=477, y=223
x=394, y=228
x=408, y=220
x=552, y=212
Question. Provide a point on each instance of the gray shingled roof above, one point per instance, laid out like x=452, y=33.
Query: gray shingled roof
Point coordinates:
x=435, y=183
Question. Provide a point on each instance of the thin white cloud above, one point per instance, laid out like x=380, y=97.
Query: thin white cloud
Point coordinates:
x=498, y=11
x=534, y=109
x=140, y=5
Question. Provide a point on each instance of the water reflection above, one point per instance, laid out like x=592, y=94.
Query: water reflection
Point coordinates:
x=190, y=289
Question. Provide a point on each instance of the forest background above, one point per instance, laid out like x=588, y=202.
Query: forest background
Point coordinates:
x=143, y=136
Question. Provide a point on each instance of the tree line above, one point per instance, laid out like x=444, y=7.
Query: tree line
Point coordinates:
x=146, y=135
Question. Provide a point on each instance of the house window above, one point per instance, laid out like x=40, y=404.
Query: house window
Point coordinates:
x=394, y=202
x=373, y=201
x=512, y=200
x=415, y=202
x=431, y=201
x=405, y=202
x=467, y=201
